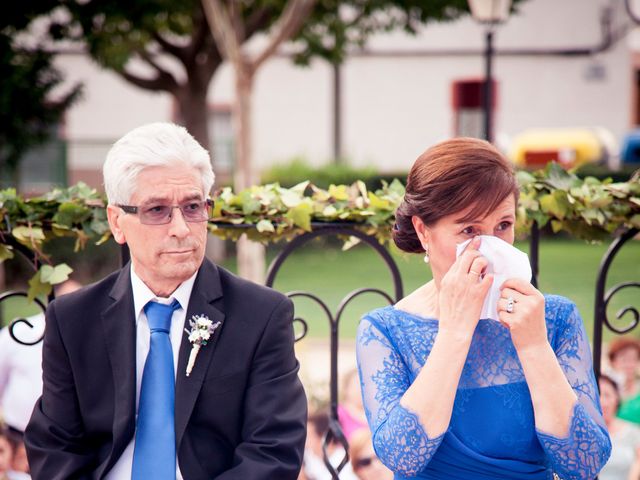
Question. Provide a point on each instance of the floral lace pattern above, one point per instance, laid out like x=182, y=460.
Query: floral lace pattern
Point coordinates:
x=392, y=348
x=580, y=455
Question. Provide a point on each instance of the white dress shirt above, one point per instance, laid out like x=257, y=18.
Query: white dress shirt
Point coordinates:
x=20, y=372
x=141, y=296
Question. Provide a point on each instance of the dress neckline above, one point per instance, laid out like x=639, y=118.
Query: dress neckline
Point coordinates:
x=411, y=314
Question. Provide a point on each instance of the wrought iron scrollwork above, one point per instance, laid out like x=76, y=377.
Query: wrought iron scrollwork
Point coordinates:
x=335, y=431
x=35, y=263
x=18, y=321
x=602, y=299
x=623, y=311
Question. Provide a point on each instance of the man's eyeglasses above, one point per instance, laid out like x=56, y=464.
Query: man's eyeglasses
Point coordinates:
x=152, y=214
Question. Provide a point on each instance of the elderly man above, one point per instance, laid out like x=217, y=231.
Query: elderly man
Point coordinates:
x=127, y=392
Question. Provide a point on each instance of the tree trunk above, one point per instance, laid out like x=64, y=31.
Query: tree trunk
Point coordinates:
x=244, y=176
x=251, y=255
x=193, y=112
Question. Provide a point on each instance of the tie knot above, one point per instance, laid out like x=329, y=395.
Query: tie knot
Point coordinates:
x=159, y=315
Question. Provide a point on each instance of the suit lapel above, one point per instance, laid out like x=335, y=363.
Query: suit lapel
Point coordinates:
x=206, y=289
x=118, y=322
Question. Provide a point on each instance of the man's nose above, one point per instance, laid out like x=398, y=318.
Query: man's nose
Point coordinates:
x=178, y=225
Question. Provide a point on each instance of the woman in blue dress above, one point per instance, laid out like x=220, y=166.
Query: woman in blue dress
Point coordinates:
x=449, y=395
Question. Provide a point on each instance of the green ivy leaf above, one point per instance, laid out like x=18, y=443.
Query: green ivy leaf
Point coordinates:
x=28, y=235
x=6, y=252
x=265, y=226
x=38, y=288
x=559, y=178
x=555, y=203
x=301, y=216
x=70, y=214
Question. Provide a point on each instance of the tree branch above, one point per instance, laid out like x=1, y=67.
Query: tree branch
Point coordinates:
x=147, y=57
x=258, y=20
x=161, y=82
x=295, y=14
x=178, y=52
x=222, y=32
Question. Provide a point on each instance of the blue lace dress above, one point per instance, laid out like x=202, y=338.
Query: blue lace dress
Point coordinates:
x=492, y=433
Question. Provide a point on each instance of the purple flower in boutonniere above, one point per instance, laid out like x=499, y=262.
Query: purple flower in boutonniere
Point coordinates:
x=201, y=331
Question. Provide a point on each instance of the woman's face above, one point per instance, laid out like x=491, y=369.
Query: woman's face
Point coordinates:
x=626, y=361
x=369, y=467
x=443, y=236
x=609, y=400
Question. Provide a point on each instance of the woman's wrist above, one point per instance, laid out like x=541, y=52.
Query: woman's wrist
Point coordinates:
x=456, y=337
x=535, y=351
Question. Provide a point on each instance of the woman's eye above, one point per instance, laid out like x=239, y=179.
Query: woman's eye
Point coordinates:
x=504, y=225
x=468, y=231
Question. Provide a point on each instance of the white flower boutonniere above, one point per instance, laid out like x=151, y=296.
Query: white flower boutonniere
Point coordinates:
x=201, y=330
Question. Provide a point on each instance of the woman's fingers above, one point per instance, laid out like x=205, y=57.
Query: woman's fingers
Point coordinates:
x=468, y=256
x=478, y=267
x=519, y=285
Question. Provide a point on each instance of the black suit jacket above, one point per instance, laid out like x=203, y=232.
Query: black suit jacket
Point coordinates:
x=241, y=414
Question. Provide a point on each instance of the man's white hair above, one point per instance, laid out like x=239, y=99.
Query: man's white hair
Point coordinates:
x=152, y=145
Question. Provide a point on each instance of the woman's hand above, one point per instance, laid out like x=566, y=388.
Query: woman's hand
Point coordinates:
x=526, y=320
x=462, y=292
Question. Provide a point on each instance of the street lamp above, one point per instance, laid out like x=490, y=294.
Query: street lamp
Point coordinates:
x=489, y=13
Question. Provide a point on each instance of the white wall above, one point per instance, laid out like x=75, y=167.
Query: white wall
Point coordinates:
x=393, y=108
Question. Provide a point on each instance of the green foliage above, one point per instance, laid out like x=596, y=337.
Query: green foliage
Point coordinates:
x=585, y=208
x=337, y=26
x=278, y=212
x=299, y=170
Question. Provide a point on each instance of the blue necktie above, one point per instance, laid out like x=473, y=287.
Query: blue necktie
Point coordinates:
x=154, y=456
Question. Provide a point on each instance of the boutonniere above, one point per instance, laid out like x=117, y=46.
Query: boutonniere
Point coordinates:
x=201, y=330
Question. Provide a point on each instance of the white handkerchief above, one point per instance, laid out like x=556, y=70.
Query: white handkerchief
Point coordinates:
x=505, y=261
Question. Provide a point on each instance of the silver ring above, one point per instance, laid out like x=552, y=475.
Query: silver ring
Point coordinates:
x=510, y=303
x=475, y=273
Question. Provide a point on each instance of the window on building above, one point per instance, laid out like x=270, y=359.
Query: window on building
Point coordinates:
x=467, y=101
x=40, y=169
x=221, y=137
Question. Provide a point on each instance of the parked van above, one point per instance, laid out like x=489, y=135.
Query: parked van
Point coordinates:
x=570, y=147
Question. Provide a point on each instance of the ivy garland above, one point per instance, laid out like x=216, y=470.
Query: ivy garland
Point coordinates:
x=588, y=208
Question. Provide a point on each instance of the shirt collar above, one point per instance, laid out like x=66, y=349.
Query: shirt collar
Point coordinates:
x=143, y=294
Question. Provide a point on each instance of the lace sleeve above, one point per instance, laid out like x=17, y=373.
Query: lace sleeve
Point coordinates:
x=399, y=439
x=586, y=449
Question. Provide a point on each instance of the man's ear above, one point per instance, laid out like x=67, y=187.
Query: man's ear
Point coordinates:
x=115, y=216
x=421, y=230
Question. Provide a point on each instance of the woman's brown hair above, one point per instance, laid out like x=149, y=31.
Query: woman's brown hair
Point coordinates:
x=448, y=178
x=623, y=343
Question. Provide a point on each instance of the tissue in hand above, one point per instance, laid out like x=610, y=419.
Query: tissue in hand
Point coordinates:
x=505, y=261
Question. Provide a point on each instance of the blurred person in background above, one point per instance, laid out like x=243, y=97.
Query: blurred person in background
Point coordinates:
x=366, y=465
x=624, y=358
x=7, y=457
x=625, y=436
x=21, y=375
x=313, y=464
x=350, y=410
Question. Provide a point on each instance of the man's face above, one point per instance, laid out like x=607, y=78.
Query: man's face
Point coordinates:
x=163, y=256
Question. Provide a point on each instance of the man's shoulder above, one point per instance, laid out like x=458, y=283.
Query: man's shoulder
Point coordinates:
x=233, y=285
x=93, y=294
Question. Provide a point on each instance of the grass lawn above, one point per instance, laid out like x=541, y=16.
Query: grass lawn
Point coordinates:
x=567, y=267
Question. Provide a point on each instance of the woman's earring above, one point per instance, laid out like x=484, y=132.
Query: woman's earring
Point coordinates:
x=426, y=253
